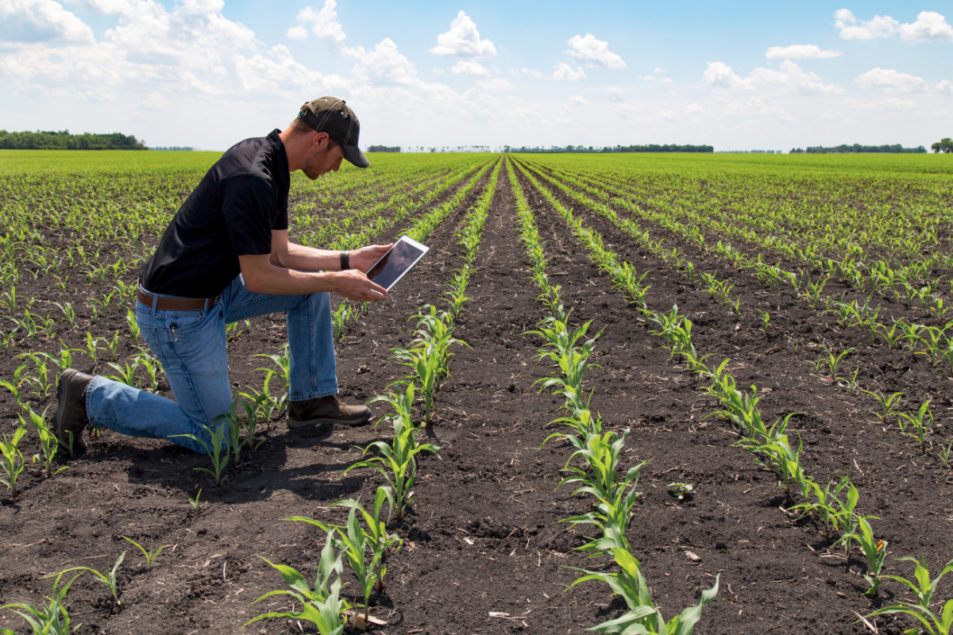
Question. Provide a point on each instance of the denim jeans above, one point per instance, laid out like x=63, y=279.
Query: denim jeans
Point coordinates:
x=190, y=346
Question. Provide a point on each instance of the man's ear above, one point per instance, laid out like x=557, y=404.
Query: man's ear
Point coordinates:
x=319, y=137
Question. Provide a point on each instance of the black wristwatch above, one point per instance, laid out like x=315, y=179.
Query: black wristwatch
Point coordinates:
x=345, y=260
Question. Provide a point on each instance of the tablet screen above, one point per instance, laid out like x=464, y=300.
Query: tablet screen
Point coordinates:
x=396, y=262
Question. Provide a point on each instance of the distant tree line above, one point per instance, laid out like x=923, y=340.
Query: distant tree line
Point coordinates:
x=383, y=149
x=652, y=147
x=63, y=140
x=856, y=148
x=944, y=145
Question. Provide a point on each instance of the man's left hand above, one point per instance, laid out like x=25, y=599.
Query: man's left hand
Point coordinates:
x=363, y=258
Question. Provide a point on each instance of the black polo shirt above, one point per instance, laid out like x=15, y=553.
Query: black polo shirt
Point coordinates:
x=230, y=214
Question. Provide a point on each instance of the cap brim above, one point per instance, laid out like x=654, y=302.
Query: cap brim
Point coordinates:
x=355, y=156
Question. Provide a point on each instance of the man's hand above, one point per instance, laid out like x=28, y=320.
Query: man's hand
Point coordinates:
x=363, y=258
x=355, y=285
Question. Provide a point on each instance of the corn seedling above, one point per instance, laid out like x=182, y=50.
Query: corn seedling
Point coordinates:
x=126, y=372
x=833, y=360
x=643, y=616
x=765, y=320
x=150, y=554
x=48, y=442
x=109, y=580
x=947, y=453
x=194, y=502
x=875, y=551
x=364, y=545
x=42, y=379
x=923, y=587
x=322, y=605
x=217, y=447
x=51, y=619
x=12, y=460
x=888, y=404
x=283, y=371
x=429, y=354
x=397, y=462
x=918, y=424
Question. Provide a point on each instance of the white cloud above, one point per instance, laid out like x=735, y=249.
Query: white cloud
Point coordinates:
x=693, y=109
x=800, y=52
x=578, y=100
x=790, y=78
x=615, y=94
x=929, y=26
x=531, y=73
x=40, y=21
x=851, y=29
x=463, y=40
x=297, y=32
x=471, y=68
x=567, y=73
x=588, y=50
x=324, y=23
x=892, y=80
x=278, y=72
x=945, y=87
x=383, y=64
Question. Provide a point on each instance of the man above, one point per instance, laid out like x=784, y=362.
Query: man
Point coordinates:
x=224, y=257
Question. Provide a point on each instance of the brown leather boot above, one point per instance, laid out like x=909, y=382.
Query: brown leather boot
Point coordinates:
x=326, y=410
x=70, y=419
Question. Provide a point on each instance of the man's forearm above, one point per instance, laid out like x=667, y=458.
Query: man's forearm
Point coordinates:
x=306, y=258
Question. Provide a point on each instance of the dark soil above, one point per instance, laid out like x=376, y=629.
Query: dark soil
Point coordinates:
x=484, y=549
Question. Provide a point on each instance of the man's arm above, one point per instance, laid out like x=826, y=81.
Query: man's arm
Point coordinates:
x=289, y=255
x=297, y=269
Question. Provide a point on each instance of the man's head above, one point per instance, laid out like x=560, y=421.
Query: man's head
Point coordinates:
x=332, y=115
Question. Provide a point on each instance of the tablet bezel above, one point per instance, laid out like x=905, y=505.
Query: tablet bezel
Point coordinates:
x=407, y=240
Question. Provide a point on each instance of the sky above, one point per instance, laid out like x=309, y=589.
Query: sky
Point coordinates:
x=426, y=74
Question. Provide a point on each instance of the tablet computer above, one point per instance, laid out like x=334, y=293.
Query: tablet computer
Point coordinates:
x=397, y=261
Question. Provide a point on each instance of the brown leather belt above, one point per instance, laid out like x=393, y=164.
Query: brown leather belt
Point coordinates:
x=161, y=303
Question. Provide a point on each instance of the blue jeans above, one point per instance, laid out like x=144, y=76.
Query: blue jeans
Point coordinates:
x=190, y=346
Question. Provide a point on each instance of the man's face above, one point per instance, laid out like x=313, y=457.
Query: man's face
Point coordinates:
x=326, y=156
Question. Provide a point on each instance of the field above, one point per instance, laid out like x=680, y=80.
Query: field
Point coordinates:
x=741, y=365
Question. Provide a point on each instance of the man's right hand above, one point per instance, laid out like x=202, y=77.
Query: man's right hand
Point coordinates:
x=354, y=284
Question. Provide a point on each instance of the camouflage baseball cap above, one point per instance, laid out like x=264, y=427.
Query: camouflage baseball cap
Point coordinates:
x=332, y=115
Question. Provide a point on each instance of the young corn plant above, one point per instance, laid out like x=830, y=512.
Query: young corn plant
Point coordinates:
x=109, y=580
x=563, y=348
x=888, y=404
x=217, y=447
x=429, y=354
x=51, y=619
x=917, y=425
x=12, y=460
x=321, y=605
x=397, y=461
x=874, y=550
x=365, y=545
x=149, y=553
x=923, y=587
x=643, y=615
x=48, y=443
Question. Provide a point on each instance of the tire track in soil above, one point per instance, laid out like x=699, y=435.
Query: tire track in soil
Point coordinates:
x=769, y=574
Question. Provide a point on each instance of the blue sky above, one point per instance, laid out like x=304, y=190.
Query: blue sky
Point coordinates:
x=735, y=75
